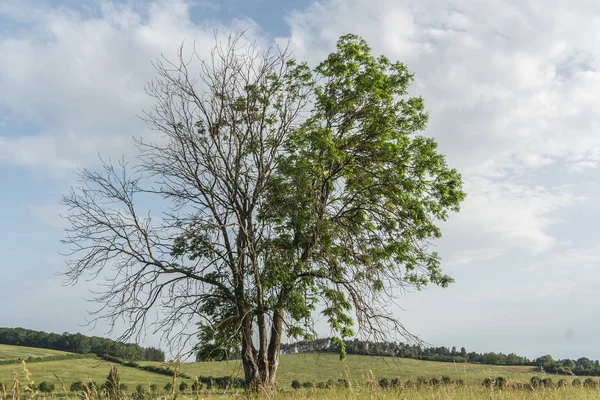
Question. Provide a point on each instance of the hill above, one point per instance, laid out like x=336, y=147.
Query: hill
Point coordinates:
x=303, y=367
x=321, y=367
x=10, y=352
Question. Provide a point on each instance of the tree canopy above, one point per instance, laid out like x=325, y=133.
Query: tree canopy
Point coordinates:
x=287, y=193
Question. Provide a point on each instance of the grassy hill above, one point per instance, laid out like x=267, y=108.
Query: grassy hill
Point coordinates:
x=82, y=369
x=320, y=368
x=304, y=367
x=8, y=352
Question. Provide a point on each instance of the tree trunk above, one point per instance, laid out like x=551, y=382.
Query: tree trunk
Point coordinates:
x=260, y=370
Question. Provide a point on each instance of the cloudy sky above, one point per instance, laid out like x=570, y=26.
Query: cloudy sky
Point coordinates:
x=511, y=87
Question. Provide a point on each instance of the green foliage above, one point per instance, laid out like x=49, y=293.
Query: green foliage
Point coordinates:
x=296, y=384
x=384, y=383
x=308, y=385
x=46, y=387
x=77, y=343
x=76, y=386
x=500, y=382
x=183, y=387
x=590, y=383
x=357, y=194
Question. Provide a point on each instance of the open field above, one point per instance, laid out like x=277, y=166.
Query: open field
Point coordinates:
x=320, y=368
x=8, y=352
x=302, y=367
x=79, y=370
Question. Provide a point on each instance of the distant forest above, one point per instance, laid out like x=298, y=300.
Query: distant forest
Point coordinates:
x=78, y=343
x=581, y=366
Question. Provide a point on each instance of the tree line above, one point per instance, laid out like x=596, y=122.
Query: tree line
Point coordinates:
x=581, y=366
x=78, y=343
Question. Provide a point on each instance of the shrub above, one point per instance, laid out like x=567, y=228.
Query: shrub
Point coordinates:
x=46, y=387
x=488, y=382
x=576, y=382
x=590, y=383
x=500, y=382
x=197, y=385
x=434, y=381
x=396, y=383
x=343, y=383
x=308, y=385
x=384, y=383
x=140, y=392
x=296, y=384
x=76, y=386
x=154, y=388
x=535, y=382
x=547, y=383
x=168, y=387
x=446, y=380
x=183, y=386
x=562, y=383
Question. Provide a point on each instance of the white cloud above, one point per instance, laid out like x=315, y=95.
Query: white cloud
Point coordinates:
x=81, y=79
x=511, y=88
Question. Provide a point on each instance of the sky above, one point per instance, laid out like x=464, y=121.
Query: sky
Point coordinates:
x=511, y=88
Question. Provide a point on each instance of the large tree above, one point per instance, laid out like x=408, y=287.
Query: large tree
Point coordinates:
x=287, y=193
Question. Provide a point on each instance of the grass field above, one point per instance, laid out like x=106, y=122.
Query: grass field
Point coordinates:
x=8, y=352
x=320, y=368
x=306, y=367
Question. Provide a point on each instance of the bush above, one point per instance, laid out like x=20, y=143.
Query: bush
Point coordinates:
x=576, y=382
x=562, y=383
x=547, y=383
x=76, y=386
x=140, y=392
x=446, y=380
x=488, y=382
x=154, y=388
x=308, y=385
x=168, y=387
x=196, y=386
x=535, y=382
x=590, y=383
x=343, y=383
x=396, y=383
x=384, y=383
x=183, y=386
x=296, y=384
x=46, y=387
x=434, y=381
x=500, y=382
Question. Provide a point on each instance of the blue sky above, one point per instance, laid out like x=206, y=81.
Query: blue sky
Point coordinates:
x=512, y=92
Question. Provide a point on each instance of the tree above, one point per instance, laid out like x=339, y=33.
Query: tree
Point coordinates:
x=284, y=189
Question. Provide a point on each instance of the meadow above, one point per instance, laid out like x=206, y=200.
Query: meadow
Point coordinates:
x=362, y=372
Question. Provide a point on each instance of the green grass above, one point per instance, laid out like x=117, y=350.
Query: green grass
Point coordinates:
x=80, y=370
x=8, y=352
x=304, y=367
x=320, y=368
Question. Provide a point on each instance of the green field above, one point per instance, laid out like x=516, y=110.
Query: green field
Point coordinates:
x=8, y=352
x=303, y=367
